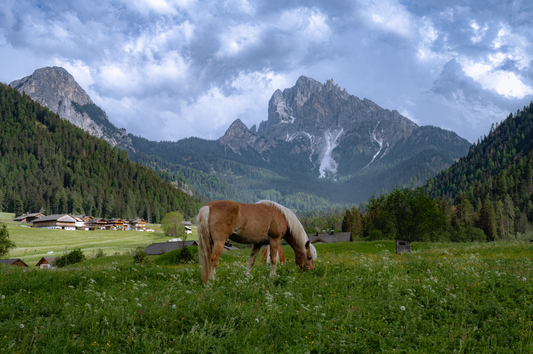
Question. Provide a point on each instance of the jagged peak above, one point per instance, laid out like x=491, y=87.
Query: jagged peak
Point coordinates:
x=237, y=126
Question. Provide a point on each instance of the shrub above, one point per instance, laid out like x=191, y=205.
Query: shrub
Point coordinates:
x=180, y=256
x=375, y=235
x=99, y=253
x=5, y=243
x=74, y=256
x=140, y=256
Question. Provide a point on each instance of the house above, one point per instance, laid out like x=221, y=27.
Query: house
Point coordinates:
x=164, y=247
x=95, y=224
x=46, y=262
x=186, y=223
x=116, y=224
x=188, y=230
x=331, y=237
x=136, y=224
x=28, y=217
x=13, y=261
x=61, y=221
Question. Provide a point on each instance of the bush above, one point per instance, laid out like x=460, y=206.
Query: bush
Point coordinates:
x=180, y=256
x=5, y=243
x=375, y=235
x=99, y=253
x=140, y=256
x=75, y=256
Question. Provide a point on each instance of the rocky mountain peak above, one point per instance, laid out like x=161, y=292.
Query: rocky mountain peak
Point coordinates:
x=55, y=88
x=238, y=136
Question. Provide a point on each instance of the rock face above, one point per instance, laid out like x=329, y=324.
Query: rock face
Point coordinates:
x=340, y=133
x=55, y=88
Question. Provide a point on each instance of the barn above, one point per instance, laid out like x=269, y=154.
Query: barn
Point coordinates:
x=13, y=261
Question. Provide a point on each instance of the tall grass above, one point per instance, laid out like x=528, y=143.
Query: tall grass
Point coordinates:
x=474, y=298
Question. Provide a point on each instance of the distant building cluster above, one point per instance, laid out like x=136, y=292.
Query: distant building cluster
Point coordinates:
x=80, y=222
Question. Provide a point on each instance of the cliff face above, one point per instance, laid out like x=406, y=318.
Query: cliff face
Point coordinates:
x=340, y=133
x=55, y=88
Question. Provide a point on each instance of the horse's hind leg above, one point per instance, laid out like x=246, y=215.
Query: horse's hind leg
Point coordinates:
x=255, y=250
x=274, y=255
x=218, y=248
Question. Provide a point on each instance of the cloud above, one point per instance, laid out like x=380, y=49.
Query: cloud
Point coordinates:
x=187, y=67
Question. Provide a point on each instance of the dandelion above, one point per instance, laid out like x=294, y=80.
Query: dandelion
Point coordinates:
x=21, y=325
x=402, y=308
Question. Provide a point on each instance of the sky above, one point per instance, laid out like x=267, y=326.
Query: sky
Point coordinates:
x=171, y=69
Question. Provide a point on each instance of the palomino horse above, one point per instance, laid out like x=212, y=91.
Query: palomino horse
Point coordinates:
x=265, y=255
x=262, y=223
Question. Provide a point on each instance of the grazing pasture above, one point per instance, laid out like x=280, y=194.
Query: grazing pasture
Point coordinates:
x=34, y=243
x=360, y=298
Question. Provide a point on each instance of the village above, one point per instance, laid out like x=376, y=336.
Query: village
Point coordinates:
x=86, y=222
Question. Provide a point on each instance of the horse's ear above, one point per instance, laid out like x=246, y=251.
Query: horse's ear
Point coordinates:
x=307, y=244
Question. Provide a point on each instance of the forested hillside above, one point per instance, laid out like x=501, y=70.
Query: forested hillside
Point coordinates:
x=47, y=163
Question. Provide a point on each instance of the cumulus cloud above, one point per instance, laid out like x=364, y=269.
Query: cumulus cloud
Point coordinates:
x=190, y=68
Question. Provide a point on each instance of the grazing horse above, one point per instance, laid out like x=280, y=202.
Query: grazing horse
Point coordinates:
x=262, y=223
x=265, y=255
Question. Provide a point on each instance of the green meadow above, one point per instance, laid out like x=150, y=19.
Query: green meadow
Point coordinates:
x=34, y=243
x=360, y=298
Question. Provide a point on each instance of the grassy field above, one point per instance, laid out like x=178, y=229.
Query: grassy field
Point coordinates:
x=34, y=243
x=360, y=298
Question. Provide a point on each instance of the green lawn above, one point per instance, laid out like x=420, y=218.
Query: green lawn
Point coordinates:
x=34, y=243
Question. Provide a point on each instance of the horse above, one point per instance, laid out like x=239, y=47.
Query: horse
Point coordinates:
x=265, y=255
x=262, y=223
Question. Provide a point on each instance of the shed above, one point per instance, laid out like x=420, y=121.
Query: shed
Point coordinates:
x=317, y=238
x=164, y=247
x=13, y=261
x=402, y=246
x=46, y=262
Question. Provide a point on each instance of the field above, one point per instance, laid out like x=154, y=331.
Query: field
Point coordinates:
x=360, y=298
x=33, y=243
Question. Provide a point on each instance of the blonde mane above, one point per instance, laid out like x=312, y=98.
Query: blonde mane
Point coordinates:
x=296, y=228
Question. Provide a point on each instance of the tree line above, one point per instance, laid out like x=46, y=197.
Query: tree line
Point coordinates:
x=47, y=164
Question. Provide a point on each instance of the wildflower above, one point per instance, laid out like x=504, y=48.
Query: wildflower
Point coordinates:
x=402, y=308
x=523, y=278
x=3, y=297
x=70, y=286
x=323, y=315
x=139, y=305
x=257, y=320
x=173, y=306
x=88, y=305
x=21, y=325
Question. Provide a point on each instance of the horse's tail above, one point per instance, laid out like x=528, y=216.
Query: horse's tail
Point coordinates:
x=205, y=244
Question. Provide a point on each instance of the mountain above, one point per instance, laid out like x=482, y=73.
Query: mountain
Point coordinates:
x=320, y=147
x=55, y=88
x=48, y=163
x=342, y=135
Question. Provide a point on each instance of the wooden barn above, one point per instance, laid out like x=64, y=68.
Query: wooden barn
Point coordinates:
x=28, y=217
x=332, y=237
x=61, y=221
x=46, y=262
x=13, y=261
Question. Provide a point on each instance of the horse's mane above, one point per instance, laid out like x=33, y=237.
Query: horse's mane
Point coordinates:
x=296, y=228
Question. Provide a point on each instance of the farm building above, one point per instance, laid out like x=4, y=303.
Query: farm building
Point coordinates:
x=95, y=224
x=136, y=224
x=186, y=223
x=164, y=247
x=61, y=221
x=116, y=224
x=331, y=237
x=46, y=262
x=13, y=261
x=28, y=217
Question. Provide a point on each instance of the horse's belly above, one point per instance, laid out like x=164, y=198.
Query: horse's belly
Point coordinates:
x=249, y=239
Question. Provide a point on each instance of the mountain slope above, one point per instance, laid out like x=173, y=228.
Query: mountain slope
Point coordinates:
x=48, y=163
x=55, y=88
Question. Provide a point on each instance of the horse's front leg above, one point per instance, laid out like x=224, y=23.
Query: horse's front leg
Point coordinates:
x=255, y=250
x=274, y=255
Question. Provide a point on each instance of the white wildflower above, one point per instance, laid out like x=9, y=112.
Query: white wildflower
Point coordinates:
x=323, y=315
x=102, y=300
x=88, y=305
x=3, y=297
x=524, y=278
x=257, y=320
x=70, y=286
x=402, y=308
x=92, y=281
x=21, y=325
x=139, y=305
x=173, y=306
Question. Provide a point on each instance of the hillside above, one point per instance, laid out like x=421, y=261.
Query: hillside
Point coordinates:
x=497, y=171
x=48, y=163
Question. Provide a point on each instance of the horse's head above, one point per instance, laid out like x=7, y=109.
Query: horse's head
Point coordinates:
x=307, y=260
